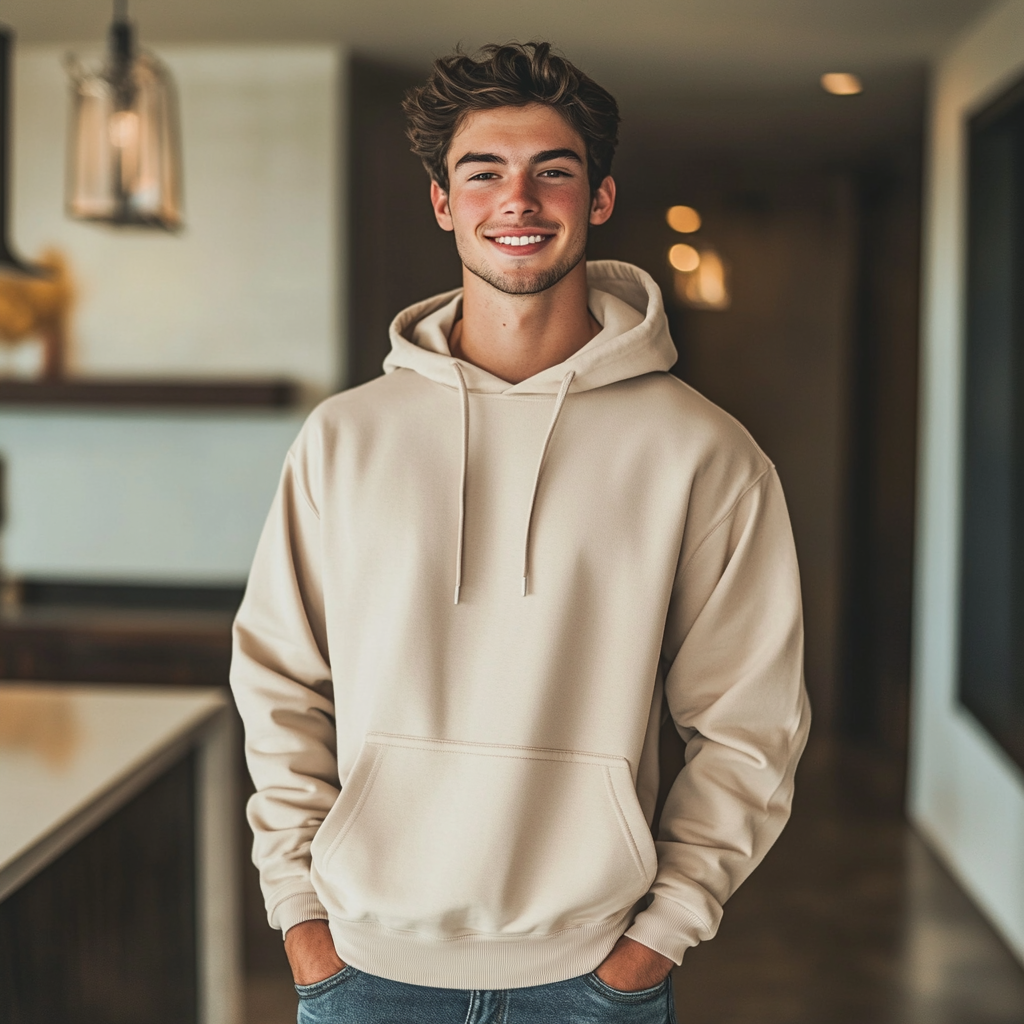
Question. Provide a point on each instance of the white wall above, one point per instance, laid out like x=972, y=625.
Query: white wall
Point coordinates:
x=127, y=497
x=966, y=796
x=251, y=287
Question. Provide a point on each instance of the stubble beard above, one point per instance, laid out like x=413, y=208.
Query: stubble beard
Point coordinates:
x=523, y=283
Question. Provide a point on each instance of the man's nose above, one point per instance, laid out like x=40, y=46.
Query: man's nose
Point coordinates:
x=521, y=197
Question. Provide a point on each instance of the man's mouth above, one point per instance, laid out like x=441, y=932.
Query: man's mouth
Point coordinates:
x=520, y=244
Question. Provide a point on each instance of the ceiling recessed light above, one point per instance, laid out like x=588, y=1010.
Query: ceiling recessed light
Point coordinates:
x=841, y=83
x=684, y=258
x=684, y=219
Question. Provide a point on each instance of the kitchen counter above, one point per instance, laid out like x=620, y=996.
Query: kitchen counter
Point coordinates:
x=75, y=758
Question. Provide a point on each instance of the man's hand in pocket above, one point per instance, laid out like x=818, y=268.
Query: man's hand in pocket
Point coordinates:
x=311, y=953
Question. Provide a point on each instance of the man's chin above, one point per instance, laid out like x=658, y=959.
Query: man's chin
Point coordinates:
x=514, y=284
x=524, y=282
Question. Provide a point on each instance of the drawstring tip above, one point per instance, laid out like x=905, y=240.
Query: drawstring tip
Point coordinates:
x=524, y=586
x=457, y=589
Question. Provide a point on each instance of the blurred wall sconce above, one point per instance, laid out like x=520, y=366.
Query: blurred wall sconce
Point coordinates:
x=124, y=164
x=684, y=219
x=700, y=278
x=842, y=83
x=683, y=258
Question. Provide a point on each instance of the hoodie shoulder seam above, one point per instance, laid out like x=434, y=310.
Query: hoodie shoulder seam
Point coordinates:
x=725, y=518
x=299, y=488
x=766, y=462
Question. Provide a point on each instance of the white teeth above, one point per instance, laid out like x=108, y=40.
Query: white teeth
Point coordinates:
x=519, y=239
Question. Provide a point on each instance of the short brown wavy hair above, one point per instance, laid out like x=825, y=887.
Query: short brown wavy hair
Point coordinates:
x=509, y=75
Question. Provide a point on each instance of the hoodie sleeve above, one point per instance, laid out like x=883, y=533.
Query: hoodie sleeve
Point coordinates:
x=734, y=686
x=281, y=679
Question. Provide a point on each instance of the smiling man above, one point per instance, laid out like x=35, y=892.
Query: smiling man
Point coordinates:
x=519, y=200
x=485, y=579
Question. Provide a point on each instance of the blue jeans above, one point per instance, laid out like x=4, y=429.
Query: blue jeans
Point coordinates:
x=354, y=997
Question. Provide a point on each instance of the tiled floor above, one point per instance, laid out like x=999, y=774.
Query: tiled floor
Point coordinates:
x=850, y=920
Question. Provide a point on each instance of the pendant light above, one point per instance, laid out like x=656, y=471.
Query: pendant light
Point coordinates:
x=124, y=166
x=10, y=262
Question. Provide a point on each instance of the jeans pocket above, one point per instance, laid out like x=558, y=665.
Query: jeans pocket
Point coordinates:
x=319, y=988
x=617, y=995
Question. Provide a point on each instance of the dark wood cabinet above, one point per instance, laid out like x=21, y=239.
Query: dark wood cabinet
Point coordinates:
x=159, y=646
x=108, y=931
x=86, y=645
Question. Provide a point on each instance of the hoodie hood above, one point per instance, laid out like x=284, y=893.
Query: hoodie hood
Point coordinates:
x=634, y=338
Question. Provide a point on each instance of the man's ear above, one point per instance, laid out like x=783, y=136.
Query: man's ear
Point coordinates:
x=442, y=211
x=602, y=202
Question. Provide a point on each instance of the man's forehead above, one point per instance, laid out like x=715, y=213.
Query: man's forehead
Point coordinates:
x=515, y=131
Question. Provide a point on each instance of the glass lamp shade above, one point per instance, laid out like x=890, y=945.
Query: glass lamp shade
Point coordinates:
x=124, y=160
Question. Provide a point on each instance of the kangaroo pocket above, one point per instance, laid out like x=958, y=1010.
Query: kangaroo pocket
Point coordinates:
x=447, y=838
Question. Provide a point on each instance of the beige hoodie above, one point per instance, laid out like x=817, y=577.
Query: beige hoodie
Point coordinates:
x=468, y=607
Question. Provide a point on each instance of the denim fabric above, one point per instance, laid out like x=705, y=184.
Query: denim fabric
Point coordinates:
x=354, y=997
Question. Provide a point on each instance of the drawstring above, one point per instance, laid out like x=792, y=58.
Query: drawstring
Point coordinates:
x=559, y=402
x=464, y=396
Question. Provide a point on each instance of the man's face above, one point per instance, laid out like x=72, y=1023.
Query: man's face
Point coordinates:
x=519, y=200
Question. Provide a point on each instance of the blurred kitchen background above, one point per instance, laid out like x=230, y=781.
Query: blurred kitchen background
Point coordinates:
x=831, y=196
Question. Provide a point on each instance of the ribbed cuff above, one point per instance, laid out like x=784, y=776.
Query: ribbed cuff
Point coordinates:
x=293, y=910
x=668, y=928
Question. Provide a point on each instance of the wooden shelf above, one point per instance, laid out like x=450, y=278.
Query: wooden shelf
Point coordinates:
x=266, y=393
x=116, y=646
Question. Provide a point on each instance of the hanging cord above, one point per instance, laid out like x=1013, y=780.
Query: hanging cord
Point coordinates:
x=559, y=402
x=464, y=395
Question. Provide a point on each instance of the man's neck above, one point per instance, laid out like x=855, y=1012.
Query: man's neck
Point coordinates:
x=517, y=336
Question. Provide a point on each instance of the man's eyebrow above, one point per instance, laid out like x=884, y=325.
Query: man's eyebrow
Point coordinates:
x=480, y=158
x=556, y=154
x=539, y=158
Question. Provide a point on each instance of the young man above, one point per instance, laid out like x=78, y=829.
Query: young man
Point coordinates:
x=484, y=576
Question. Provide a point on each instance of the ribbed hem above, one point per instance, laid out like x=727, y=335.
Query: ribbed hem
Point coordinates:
x=669, y=928
x=475, y=961
x=293, y=910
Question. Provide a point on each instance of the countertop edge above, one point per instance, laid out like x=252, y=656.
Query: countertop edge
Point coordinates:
x=131, y=780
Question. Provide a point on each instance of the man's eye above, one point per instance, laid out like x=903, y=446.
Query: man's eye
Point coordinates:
x=483, y=176
x=554, y=172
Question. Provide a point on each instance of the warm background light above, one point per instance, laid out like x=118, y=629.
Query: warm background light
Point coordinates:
x=124, y=129
x=707, y=287
x=684, y=219
x=684, y=257
x=841, y=83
